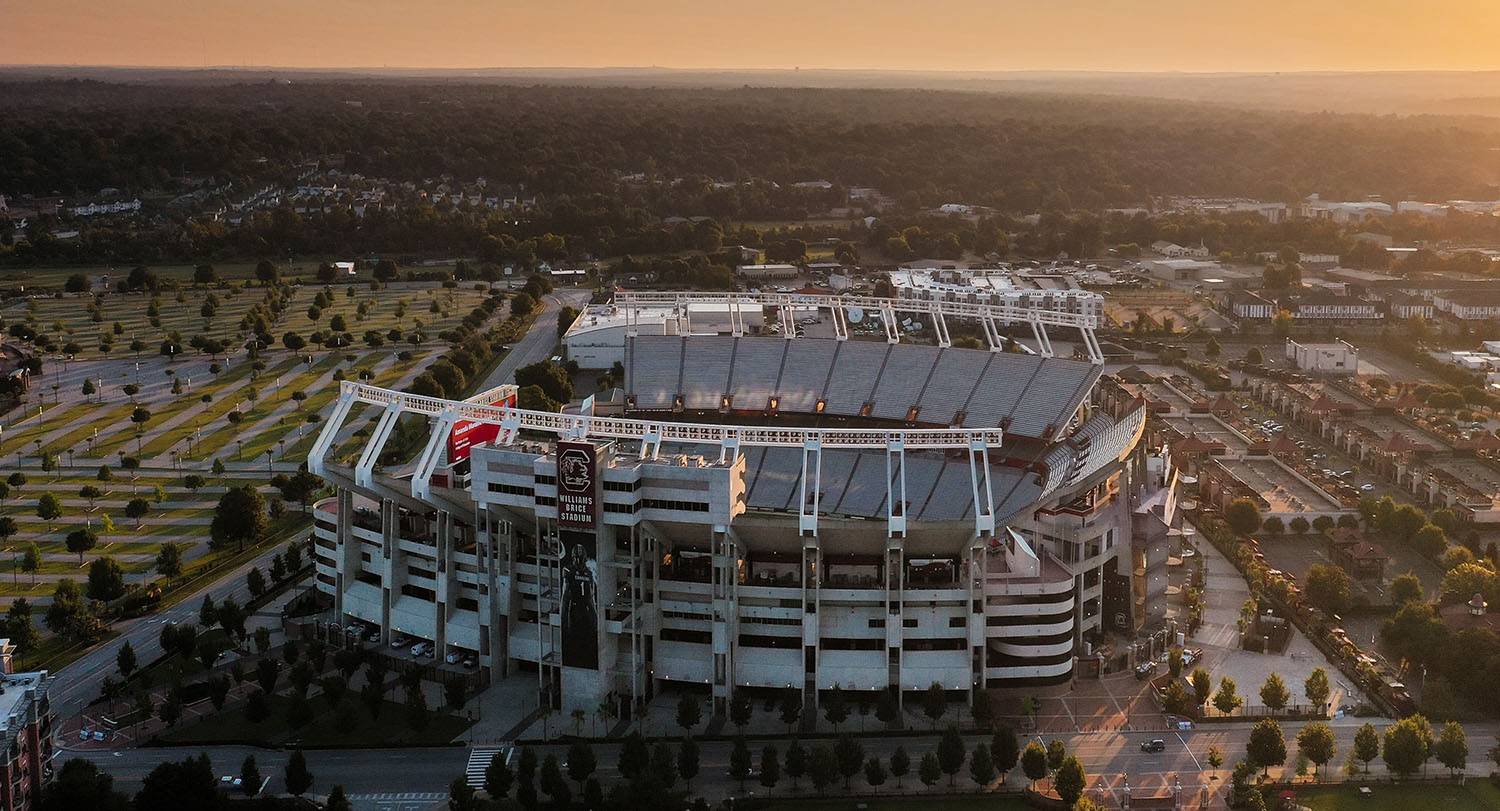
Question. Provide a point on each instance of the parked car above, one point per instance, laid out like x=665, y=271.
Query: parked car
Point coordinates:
x=1154, y=745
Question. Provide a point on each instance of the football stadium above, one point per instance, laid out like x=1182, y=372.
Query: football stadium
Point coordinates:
x=786, y=491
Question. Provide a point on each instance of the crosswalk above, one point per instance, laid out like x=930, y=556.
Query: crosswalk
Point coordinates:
x=479, y=760
x=398, y=801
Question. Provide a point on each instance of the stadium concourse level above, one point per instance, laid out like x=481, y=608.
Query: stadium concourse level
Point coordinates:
x=1026, y=395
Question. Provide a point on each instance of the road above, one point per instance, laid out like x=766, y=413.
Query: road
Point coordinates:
x=536, y=345
x=379, y=776
x=78, y=683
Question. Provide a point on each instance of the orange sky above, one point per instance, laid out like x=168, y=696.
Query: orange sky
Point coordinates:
x=1121, y=35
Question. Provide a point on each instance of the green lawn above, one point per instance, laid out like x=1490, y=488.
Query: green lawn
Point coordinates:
x=1476, y=795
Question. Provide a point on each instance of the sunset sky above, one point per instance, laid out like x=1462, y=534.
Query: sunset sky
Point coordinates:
x=1118, y=35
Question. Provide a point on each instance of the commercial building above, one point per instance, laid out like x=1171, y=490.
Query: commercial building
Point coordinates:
x=28, y=734
x=770, y=513
x=1337, y=358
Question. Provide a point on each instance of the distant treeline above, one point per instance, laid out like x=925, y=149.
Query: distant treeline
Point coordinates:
x=1016, y=152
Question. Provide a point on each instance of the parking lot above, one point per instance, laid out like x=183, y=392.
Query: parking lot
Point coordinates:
x=1283, y=491
x=410, y=648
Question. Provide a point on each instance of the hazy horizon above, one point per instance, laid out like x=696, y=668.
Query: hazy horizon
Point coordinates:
x=948, y=36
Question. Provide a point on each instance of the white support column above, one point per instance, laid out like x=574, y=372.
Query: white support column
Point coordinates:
x=812, y=477
x=364, y=475
x=979, y=482
x=892, y=329
x=895, y=481
x=651, y=443
x=992, y=335
x=788, y=322
x=736, y=318
x=729, y=450
x=940, y=327
x=331, y=427
x=840, y=323
x=1091, y=342
x=1043, y=345
x=421, y=477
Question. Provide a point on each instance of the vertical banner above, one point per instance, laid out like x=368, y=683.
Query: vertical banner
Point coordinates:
x=577, y=498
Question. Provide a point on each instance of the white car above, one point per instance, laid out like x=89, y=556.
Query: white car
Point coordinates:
x=1367, y=487
x=451, y=658
x=418, y=649
x=397, y=641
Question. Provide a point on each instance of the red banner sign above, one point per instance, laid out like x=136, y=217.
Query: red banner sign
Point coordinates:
x=467, y=433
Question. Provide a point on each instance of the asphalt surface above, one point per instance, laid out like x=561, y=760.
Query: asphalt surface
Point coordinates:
x=380, y=776
x=536, y=345
x=79, y=682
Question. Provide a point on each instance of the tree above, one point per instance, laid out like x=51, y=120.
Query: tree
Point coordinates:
x=1429, y=540
x=522, y=305
x=850, y=756
x=249, y=776
x=1299, y=525
x=498, y=777
x=1203, y=685
x=791, y=711
x=1452, y=747
x=186, y=786
x=1005, y=750
x=581, y=762
x=106, y=580
x=461, y=795
x=80, y=541
x=256, y=582
x=49, y=509
x=822, y=767
x=137, y=508
x=1034, y=761
x=298, y=779
x=981, y=766
x=1316, y=743
x=1408, y=743
x=1317, y=689
x=1267, y=745
x=928, y=770
x=1328, y=588
x=770, y=768
x=1274, y=525
x=70, y=615
x=31, y=556
x=169, y=561
x=125, y=659
x=1274, y=693
x=1242, y=516
x=634, y=756
x=950, y=752
x=687, y=760
x=796, y=762
x=739, y=761
x=1056, y=753
x=901, y=764
x=240, y=516
x=1226, y=700
x=886, y=710
x=19, y=627
x=1366, y=745
x=689, y=712
x=1070, y=781
x=81, y=786
x=835, y=709
x=934, y=702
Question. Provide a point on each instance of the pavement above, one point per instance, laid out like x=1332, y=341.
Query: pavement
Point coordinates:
x=391, y=779
x=78, y=683
x=536, y=345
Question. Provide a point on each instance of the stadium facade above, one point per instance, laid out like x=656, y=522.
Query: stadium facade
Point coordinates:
x=767, y=512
